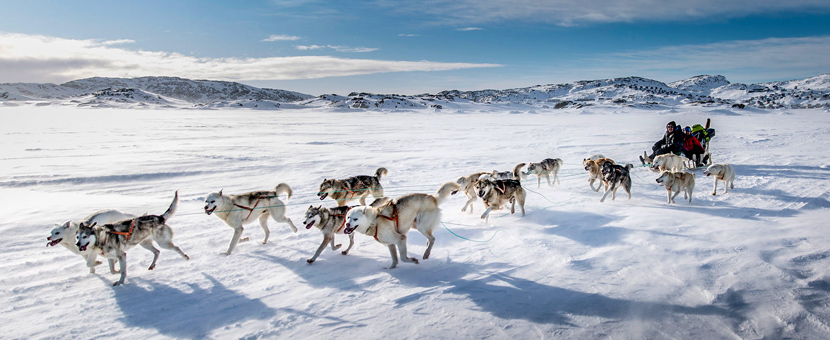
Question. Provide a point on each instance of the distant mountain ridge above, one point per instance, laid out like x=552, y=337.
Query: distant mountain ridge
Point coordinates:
x=706, y=90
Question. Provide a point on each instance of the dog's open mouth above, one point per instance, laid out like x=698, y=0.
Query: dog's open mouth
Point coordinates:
x=323, y=195
x=82, y=248
x=54, y=242
x=309, y=224
x=348, y=230
x=210, y=211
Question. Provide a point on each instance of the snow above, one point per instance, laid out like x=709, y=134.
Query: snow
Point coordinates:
x=752, y=263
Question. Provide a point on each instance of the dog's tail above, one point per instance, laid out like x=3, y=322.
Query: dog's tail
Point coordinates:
x=380, y=172
x=283, y=188
x=447, y=189
x=172, y=209
x=517, y=171
x=629, y=166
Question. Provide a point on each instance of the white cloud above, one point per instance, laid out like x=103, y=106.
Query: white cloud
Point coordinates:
x=281, y=37
x=336, y=48
x=569, y=12
x=117, y=42
x=35, y=58
x=467, y=29
x=408, y=35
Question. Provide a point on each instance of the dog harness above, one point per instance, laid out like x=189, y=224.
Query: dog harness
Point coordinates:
x=250, y=210
x=394, y=218
x=128, y=234
x=352, y=192
x=342, y=225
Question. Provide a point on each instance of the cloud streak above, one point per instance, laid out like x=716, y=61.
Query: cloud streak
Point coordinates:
x=336, y=48
x=34, y=58
x=281, y=37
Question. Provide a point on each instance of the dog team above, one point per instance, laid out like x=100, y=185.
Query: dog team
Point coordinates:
x=111, y=233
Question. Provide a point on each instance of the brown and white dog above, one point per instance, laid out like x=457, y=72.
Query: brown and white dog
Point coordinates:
x=356, y=187
x=616, y=176
x=468, y=185
x=389, y=223
x=594, y=169
x=669, y=162
x=677, y=182
x=721, y=172
x=496, y=193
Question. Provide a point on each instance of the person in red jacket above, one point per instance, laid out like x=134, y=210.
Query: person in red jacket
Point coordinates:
x=692, y=147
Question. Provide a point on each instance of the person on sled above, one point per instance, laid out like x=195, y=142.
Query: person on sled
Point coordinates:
x=692, y=148
x=672, y=142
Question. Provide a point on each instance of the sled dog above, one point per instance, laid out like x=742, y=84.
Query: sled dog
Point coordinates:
x=331, y=221
x=677, y=182
x=113, y=240
x=358, y=187
x=468, y=185
x=496, y=193
x=593, y=157
x=594, y=169
x=545, y=168
x=616, y=176
x=516, y=174
x=669, y=162
x=238, y=210
x=389, y=223
x=722, y=172
x=67, y=233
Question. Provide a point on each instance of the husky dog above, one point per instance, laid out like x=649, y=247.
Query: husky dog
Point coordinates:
x=594, y=169
x=516, y=174
x=496, y=193
x=67, y=233
x=722, y=172
x=593, y=157
x=238, y=210
x=390, y=222
x=616, y=176
x=669, y=162
x=357, y=187
x=331, y=221
x=113, y=240
x=645, y=159
x=545, y=168
x=468, y=184
x=677, y=181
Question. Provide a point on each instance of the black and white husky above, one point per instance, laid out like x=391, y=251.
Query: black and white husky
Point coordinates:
x=545, y=168
x=616, y=176
x=358, y=187
x=113, y=240
x=67, y=234
x=238, y=210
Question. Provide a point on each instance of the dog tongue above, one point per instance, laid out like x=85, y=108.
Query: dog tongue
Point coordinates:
x=308, y=226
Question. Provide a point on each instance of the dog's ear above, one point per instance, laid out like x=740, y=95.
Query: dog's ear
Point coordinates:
x=82, y=225
x=66, y=224
x=220, y=191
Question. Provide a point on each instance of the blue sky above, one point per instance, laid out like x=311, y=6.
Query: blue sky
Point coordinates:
x=409, y=47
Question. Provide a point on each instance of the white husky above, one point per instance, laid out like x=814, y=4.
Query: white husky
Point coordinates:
x=390, y=222
x=66, y=234
x=677, y=182
x=669, y=162
x=722, y=172
x=238, y=210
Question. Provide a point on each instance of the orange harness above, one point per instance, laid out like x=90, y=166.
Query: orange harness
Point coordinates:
x=393, y=218
x=128, y=234
x=352, y=192
x=341, y=225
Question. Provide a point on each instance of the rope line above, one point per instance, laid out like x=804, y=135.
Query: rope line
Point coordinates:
x=464, y=238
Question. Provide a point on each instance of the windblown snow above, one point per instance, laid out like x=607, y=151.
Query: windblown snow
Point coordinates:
x=752, y=263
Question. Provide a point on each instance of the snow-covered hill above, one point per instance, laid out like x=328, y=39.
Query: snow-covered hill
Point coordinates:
x=702, y=90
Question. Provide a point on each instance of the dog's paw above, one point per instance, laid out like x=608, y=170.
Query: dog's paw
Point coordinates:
x=244, y=239
x=98, y=263
x=310, y=261
x=187, y=257
x=117, y=283
x=337, y=246
x=152, y=266
x=414, y=260
x=345, y=252
x=225, y=253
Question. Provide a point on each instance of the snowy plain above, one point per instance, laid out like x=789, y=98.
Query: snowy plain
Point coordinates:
x=753, y=263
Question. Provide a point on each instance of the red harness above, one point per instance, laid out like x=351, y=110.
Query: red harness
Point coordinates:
x=341, y=225
x=352, y=192
x=250, y=210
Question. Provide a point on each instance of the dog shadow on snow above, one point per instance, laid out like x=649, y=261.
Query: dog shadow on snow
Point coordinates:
x=187, y=314
x=508, y=297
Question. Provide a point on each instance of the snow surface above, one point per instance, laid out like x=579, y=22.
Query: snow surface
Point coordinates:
x=753, y=263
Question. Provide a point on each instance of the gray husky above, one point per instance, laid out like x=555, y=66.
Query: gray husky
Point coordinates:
x=238, y=210
x=332, y=221
x=496, y=193
x=358, y=187
x=468, y=185
x=545, y=168
x=516, y=174
x=389, y=223
x=113, y=240
x=67, y=233
x=615, y=176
